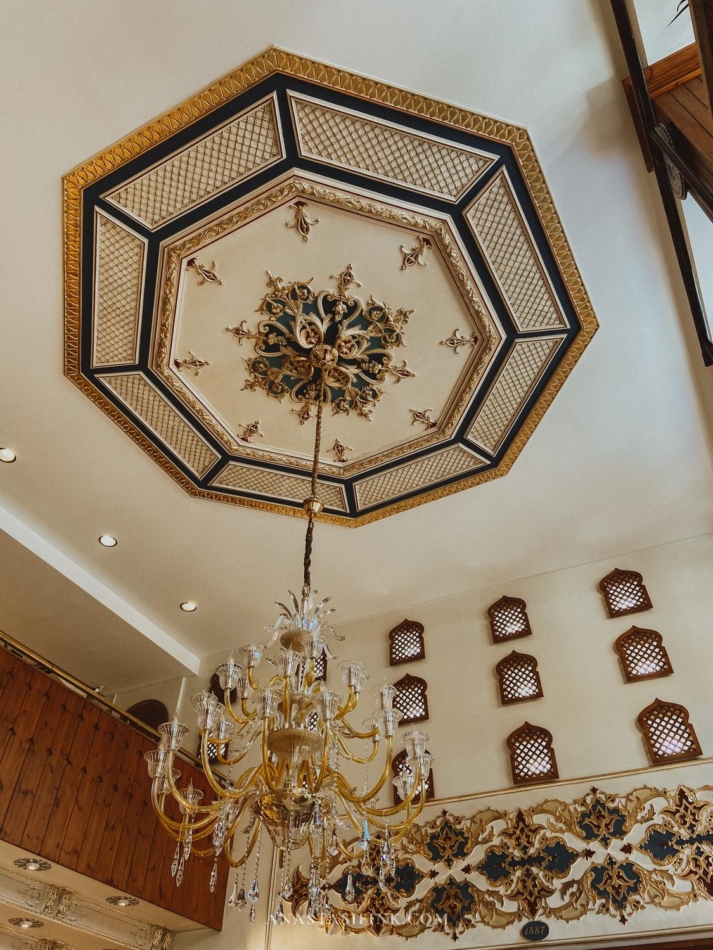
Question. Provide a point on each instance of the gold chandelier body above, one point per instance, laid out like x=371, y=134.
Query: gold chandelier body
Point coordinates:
x=300, y=733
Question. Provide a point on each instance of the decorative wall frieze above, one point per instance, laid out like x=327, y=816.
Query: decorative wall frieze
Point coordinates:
x=558, y=860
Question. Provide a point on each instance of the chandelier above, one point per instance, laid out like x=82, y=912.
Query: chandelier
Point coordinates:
x=299, y=736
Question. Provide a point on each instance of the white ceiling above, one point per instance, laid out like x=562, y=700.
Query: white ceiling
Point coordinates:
x=622, y=460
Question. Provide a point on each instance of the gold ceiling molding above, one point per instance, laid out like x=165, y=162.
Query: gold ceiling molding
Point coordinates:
x=531, y=313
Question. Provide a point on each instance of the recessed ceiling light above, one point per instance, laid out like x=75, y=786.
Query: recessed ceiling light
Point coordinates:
x=122, y=901
x=25, y=922
x=189, y=606
x=7, y=455
x=108, y=541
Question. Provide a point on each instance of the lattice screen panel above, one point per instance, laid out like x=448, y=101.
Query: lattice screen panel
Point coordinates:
x=668, y=734
x=320, y=667
x=406, y=643
x=532, y=758
x=398, y=766
x=518, y=678
x=411, y=699
x=624, y=593
x=643, y=654
x=508, y=619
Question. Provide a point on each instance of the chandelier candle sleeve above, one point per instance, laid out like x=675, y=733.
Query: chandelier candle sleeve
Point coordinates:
x=297, y=732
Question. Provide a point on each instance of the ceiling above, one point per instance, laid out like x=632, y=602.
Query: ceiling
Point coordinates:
x=621, y=460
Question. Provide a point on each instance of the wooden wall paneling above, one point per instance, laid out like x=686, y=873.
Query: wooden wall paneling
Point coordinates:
x=75, y=790
x=39, y=743
x=109, y=805
x=25, y=722
x=75, y=835
x=118, y=836
x=54, y=767
x=66, y=792
x=135, y=822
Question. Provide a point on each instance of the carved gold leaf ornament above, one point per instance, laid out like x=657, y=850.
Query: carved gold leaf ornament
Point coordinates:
x=457, y=339
x=423, y=416
x=250, y=430
x=302, y=223
x=558, y=860
x=415, y=255
x=339, y=450
x=191, y=362
x=329, y=335
x=205, y=274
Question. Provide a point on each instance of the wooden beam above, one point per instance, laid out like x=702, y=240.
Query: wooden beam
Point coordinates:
x=662, y=77
x=702, y=16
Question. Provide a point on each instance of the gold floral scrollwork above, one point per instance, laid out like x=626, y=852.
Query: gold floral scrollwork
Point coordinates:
x=301, y=224
x=191, y=362
x=599, y=854
x=457, y=340
x=415, y=255
x=339, y=450
x=424, y=417
x=323, y=341
x=250, y=430
x=205, y=274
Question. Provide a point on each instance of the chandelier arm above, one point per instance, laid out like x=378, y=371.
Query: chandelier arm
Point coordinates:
x=349, y=705
x=400, y=828
x=353, y=734
x=239, y=862
x=361, y=799
x=355, y=758
x=170, y=825
x=238, y=758
x=251, y=679
x=175, y=792
x=323, y=764
x=241, y=720
x=267, y=769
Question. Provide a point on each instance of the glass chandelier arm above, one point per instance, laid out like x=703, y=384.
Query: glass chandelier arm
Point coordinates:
x=349, y=705
x=268, y=771
x=399, y=829
x=173, y=826
x=360, y=760
x=353, y=734
x=241, y=720
x=239, y=862
x=359, y=800
x=314, y=787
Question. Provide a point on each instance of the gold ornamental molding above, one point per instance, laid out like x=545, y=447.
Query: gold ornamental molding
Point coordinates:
x=513, y=314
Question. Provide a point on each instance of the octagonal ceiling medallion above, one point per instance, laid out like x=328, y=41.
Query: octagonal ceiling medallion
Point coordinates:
x=293, y=216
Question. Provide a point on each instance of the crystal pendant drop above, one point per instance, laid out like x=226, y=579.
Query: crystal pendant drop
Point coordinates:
x=179, y=872
x=188, y=844
x=279, y=916
x=333, y=847
x=240, y=901
x=176, y=858
x=365, y=864
x=254, y=891
x=349, y=889
x=365, y=836
x=286, y=893
x=232, y=900
x=214, y=876
x=252, y=914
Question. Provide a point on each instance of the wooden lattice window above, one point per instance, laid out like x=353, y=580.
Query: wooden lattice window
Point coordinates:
x=624, y=593
x=399, y=765
x=532, y=758
x=406, y=643
x=643, y=654
x=320, y=666
x=411, y=699
x=668, y=734
x=508, y=619
x=217, y=690
x=518, y=678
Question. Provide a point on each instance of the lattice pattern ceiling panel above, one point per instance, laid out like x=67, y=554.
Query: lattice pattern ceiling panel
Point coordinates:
x=441, y=280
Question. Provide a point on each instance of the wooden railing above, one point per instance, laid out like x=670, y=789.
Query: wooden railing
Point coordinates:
x=74, y=790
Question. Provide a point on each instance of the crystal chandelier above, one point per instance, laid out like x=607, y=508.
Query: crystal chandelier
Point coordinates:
x=298, y=734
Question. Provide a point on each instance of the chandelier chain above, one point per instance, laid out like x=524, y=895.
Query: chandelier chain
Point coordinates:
x=307, y=583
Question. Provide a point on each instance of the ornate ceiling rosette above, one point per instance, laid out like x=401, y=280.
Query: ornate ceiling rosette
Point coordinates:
x=422, y=268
